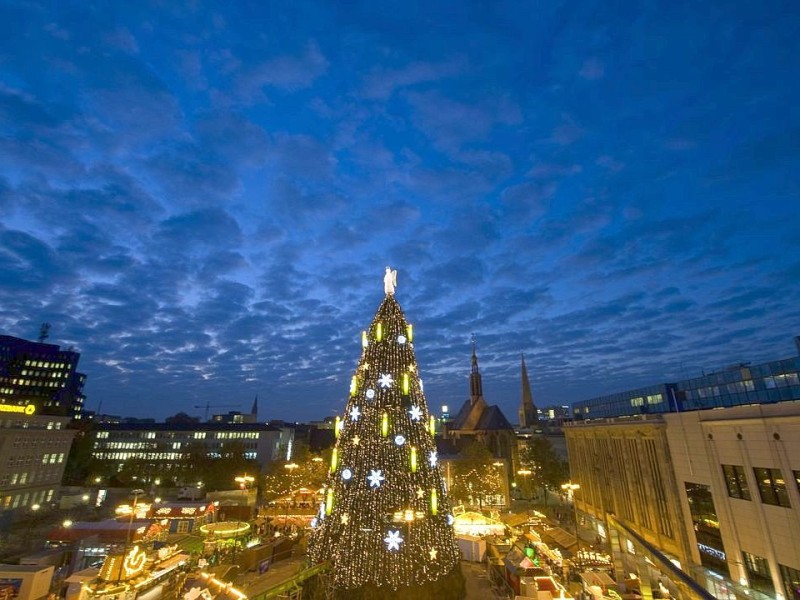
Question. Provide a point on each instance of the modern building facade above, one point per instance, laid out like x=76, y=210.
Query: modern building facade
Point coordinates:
x=704, y=471
x=767, y=383
x=42, y=375
x=160, y=447
x=33, y=454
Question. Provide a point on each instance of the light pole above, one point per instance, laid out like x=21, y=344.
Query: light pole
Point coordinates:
x=570, y=488
x=525, y=473
x=136, y=493
x=291, y=467
x=244, y=482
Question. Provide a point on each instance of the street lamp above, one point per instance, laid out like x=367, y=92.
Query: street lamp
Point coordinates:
x=525, y=473
x=244, y=482
x=570, y=488
x=291, y=467
x=136, y=493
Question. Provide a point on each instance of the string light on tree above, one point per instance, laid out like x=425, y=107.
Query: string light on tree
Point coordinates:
x=384, y=471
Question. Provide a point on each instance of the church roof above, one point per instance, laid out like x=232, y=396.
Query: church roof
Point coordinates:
x=491, y=418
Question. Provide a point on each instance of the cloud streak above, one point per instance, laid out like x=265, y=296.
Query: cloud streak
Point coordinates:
x=202, y=201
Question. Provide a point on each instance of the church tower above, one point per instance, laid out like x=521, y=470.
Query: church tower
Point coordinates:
x=475, y=385
x=528, y=415
x=254, y=410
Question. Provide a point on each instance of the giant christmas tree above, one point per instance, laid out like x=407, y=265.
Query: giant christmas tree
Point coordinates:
x=385, y=525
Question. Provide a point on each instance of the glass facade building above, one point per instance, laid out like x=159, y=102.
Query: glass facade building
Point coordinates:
x=767, y=383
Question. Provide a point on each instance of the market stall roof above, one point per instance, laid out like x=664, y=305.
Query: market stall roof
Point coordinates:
x=563, y=538
x=477, y=524
x=514, y=520
x=109, y=530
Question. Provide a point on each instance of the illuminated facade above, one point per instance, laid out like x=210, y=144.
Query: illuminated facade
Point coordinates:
x=40, y=374
x=33, y=454
x=767, y=383
x=160, y=446
x=712, y=481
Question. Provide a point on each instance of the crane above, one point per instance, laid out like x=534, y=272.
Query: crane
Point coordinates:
x=208, y=406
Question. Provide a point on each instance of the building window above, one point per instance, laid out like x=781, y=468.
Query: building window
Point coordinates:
x=736, y=482
x=771, y=486
x=791, y=582
x=706, y=527
x=758, y=573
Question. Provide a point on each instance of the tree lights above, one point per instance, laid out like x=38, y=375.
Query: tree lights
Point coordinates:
x=384, y=465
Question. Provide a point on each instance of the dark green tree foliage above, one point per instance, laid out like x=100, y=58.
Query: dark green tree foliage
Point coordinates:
x=386, y=526
x=474, y=475
x=307, y=470
x=548, y=471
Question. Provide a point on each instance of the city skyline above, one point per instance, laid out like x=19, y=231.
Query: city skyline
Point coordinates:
x=202, y=199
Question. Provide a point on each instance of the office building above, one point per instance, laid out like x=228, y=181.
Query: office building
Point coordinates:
x=33, y=454
x=703, y=473
x=160, y=447
x=42, y=375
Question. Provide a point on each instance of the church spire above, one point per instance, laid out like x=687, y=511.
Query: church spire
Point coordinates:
x=528, y=416
x=254, y=409
x=475, y=385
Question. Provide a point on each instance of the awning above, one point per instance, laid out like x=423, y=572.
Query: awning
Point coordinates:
x=563, y=538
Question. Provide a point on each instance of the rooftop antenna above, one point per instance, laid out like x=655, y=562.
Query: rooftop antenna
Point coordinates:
x=44, y=332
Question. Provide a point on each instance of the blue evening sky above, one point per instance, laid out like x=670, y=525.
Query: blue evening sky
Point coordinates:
x=201, y=198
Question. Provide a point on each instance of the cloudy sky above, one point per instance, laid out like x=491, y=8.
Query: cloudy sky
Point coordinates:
x=201, y=198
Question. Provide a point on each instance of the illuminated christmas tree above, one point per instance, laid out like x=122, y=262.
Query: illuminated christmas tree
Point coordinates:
x=385, y=526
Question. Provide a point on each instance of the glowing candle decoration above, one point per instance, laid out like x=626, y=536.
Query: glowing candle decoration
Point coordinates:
x=431, y=425
x=434, y=502
x=353, y=386
x=405, y=383
x=413, y=459
x=410, y=332
x=364, y=339
x=385, y=424
x=329, y=503
x=337, y=427
x=334, y=459
x=379, y=331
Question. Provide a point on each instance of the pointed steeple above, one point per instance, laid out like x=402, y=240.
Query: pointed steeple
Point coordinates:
x=528, y=416
x=475, y=385
x=254, y=409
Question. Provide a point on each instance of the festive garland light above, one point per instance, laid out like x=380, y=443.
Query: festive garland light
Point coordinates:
x=364, y=340
x=410, y=332
x=353, y=386
x=334, y=459
x=388, y=483
x=337, y=427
